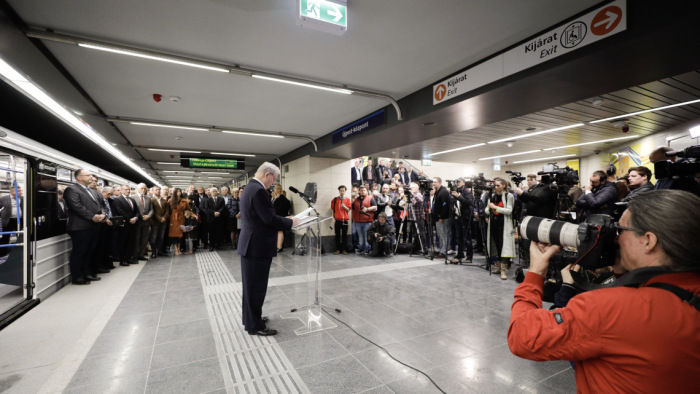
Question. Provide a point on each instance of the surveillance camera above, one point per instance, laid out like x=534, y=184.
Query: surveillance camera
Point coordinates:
x=625, y=128
x=597, y=151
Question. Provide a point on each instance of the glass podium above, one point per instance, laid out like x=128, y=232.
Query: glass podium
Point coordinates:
x=311, y=315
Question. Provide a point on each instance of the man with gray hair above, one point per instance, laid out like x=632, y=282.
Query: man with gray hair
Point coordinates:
x=640, y=334
x=142, y=229
x=257, y=246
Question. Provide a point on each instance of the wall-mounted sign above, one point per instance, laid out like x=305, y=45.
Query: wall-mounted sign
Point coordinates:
x=427, y=162
x=324, y=15
x=596, y=25
x=212, y=162
x=367, y=123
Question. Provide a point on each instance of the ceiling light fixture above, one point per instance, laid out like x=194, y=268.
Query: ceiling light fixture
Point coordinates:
x=232, y=154
x=512, y=154
x=308, y=85
x=168, y=163
x=454, y=150
x=181, y=172
x=34, y=92
x=694, y=132
x=173, y=150
x=517, y=137
x=253, y=134
x=646, y=110
x=595, y=142
x=217, y=173
x=179, y=176
x=151, y=57
x=170, y=126
x=542, y=159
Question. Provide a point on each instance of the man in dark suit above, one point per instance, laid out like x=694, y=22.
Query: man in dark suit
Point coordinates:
x=216, y=209
x=257, y=245
x=441, y=214
x=369, y=174
x=356, y=174
x=126, y=208
x=142, y=227
x=84, y=214
x=201, y=201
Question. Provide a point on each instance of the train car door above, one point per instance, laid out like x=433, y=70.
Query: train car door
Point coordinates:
x=15, y=270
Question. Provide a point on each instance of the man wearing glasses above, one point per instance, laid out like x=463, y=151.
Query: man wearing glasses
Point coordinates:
x=84, y=214
x=641, y=333
x=257, y=245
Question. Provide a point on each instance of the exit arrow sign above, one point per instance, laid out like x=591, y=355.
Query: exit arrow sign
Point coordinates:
x=324, y=11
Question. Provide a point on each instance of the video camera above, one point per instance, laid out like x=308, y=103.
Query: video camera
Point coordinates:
x=565, y=177
x=594, y=239
x=481, y=184
x=424, y=183
x=451, y=184
x=683, y=168
x=515, y=177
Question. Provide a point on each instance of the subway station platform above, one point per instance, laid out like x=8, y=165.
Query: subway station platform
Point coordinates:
x=173, y=325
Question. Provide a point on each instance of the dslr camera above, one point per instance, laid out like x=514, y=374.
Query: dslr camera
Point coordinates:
x=515, y=177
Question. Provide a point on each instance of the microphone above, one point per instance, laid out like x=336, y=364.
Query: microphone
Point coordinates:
x=295, y=190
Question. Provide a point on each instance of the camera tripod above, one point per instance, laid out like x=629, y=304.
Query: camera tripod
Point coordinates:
x=483, y=229
x=411, y=217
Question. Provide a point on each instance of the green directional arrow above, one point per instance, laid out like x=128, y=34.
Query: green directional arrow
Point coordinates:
x=325, y=11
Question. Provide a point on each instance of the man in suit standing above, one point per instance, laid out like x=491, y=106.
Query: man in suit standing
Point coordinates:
x=126, y=208
x=257, y=245
x=356, y=174
x=142, y=227
x=369, y=173
x=84, y=214
x=217, y=218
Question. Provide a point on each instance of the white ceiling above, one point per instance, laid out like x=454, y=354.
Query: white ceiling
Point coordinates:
x=392, y=47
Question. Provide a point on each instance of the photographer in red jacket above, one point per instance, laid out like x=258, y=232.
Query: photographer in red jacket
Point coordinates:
x=640, y=335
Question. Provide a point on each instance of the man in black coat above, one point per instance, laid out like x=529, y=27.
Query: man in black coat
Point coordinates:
x=369, y=174
x=380, y=236
x=125, y=208
x=599, y=196
x=464, y=203
x=257, y=245
x=84, y=214
x=216, y=210
x=441, y=214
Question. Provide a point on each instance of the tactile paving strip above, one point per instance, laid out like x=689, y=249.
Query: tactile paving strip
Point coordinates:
x=249, y=363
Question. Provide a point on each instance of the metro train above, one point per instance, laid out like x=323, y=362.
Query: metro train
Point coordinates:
x=34, y=247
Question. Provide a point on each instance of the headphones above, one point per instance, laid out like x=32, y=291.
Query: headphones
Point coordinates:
x=611, y=170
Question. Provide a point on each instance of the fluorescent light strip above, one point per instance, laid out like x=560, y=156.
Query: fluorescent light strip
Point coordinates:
x=308, y=85
x=645, y=111
x=231, y=154
x=595, y=142
x=39, y=96
x=543, y=159
x=217, y=173
x=536, y=133
x=253, y=134
x=179, y=176
x=181, y=172
x=168, y=163
x=512, y=154
x=151, y=57
x=456, y=149
x=173, y=150
x=168, y=126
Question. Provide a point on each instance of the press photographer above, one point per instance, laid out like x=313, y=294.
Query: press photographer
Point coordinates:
x=463, y=200
x=599, y=196
x=380, y=236
x=677, y=174
x=538, y=199
x=639, y=335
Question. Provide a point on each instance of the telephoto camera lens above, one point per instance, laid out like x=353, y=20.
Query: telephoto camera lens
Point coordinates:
x=550, y=231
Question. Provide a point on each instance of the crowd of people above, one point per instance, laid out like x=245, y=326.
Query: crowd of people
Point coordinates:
x=111, y=224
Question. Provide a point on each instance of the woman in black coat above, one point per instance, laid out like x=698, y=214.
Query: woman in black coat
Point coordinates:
x=282, y=207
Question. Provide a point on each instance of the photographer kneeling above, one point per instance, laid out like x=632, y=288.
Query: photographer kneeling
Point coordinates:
x=636, y=336
x=380, y=235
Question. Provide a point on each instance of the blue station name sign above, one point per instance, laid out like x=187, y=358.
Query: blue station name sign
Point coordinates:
x=369, y=122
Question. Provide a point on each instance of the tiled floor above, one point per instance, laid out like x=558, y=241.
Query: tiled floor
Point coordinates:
x=177, y=330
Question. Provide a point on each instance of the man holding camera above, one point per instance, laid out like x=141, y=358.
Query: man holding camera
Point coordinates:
x=380, y=235
x=599, y=196
x=540, y=200
x=464, y=201
x=641, y=334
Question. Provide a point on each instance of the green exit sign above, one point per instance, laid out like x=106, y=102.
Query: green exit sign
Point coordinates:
x=333, y=13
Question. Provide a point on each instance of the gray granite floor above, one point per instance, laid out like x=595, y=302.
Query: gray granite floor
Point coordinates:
x=449, y=321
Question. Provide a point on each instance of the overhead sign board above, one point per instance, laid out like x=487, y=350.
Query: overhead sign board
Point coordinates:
x=596, y=25
x=330, y=16
x=367, y=123
x=212, y=162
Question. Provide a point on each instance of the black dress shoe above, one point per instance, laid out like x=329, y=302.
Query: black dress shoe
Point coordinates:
x=80, y=282
x=92, y=278
x=102, y=270
x=264, y=333
x=124, y=264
